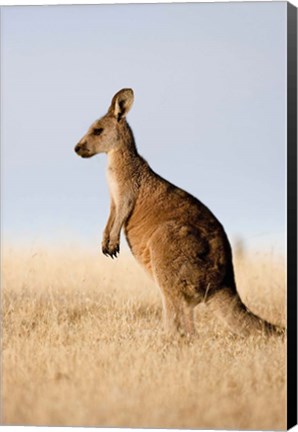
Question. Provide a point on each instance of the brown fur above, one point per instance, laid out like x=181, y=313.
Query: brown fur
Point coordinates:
x=173, y=235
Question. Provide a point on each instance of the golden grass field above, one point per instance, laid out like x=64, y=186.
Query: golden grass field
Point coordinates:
x=83, y=345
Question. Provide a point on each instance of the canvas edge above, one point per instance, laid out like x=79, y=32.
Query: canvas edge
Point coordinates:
x=291, y=215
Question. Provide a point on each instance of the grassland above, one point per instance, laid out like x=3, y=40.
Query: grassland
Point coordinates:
x=83, y=345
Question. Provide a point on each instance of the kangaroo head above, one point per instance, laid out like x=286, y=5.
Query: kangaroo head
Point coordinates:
x=105, y=134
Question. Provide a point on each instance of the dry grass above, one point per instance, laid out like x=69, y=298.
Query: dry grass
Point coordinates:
x=83, y=346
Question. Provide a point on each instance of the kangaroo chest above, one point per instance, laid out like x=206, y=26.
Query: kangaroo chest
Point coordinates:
x=120, y=186
x=113, y=184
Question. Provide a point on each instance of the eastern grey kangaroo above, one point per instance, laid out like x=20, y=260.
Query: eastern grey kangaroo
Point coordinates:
x=172, y=234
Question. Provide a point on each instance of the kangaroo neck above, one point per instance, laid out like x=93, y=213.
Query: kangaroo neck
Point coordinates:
x=125, y=157
x=122, y=157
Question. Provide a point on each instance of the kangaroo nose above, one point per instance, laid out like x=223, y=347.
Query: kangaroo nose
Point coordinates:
x=79, y=147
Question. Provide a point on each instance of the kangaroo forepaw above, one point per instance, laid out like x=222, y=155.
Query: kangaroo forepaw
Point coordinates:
x=114, y=250
x=111, y=249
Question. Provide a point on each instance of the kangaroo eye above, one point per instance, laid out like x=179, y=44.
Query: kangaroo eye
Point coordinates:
x=97, y=131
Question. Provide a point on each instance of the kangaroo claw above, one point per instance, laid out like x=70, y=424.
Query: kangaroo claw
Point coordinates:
x=110, y=250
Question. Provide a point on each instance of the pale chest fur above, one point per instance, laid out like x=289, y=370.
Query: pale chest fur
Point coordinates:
x=113, y=184
x=120, y=179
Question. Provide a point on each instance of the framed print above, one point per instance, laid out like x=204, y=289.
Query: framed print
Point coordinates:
x=149, y=215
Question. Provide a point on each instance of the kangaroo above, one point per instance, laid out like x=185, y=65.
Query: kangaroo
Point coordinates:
x=174, y=236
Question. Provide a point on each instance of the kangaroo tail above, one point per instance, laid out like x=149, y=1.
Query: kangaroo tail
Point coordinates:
x=228, y=307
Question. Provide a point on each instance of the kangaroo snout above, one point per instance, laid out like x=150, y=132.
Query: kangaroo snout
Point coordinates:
x=80, y=146
x=82, y=150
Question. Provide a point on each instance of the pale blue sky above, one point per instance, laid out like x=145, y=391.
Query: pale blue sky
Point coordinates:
x=209, y=112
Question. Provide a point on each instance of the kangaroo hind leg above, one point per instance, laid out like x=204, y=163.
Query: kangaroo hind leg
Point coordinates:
x=177, y=276
x=178, y=314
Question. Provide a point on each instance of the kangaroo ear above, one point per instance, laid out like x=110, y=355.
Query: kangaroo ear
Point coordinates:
x=121, y=103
